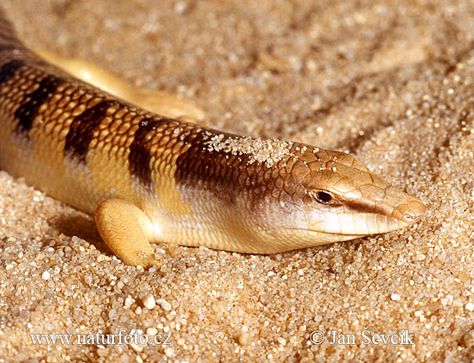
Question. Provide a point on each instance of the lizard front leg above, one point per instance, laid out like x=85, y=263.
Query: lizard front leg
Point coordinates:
x=127, y=231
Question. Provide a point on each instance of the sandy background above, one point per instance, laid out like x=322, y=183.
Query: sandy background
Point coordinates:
x=391, y=81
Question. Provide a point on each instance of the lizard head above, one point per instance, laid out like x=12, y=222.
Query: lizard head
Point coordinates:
x=329, y=196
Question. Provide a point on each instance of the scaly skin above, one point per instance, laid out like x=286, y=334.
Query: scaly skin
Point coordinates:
x=151, y=178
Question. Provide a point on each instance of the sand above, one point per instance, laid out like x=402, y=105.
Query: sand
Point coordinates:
x=391, y=81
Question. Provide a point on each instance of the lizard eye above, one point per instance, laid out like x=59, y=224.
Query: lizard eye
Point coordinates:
x=324, y=197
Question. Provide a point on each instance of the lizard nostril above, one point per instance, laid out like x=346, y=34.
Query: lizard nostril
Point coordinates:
x=409, y=217
x=410, y=212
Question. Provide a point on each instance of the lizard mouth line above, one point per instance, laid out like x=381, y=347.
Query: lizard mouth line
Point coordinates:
x=331, y=233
